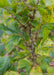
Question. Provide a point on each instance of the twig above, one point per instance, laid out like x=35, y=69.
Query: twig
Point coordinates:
x=32, y=44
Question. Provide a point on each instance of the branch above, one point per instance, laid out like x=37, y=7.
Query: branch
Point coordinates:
x=14, y=17
x=34, y=11
x=32, y=43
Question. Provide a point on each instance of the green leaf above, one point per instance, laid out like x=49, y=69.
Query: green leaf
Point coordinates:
x=36, y=71
x=19, y=9
x=4, y=3
x=9, y=46
x=5, y=28
x=26, y=36
x=45, y=33
x=44, y=66
x=23, y=47
x=3, y=63
x=42, y=2
x=22, y=54
x=44, y=63
x=52, y=54
x=52, y=38
x=12, y=41
x=45, y=48
x=22, y=73
x=49, y=11
x=1, y=32
x=11, y=73
x=50, y=70
x=33, y=2
x=50, y=26
x=24, y=63
x=34, y=23
x=2, y=49
x=2, y=27
x=47, y=60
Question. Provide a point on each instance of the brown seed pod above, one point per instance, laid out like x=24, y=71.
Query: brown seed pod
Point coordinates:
x=51, y=64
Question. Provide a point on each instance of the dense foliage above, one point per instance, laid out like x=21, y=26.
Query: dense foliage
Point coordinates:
x=26, y=37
